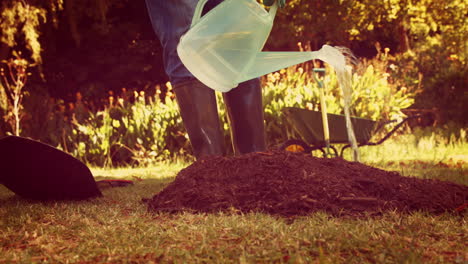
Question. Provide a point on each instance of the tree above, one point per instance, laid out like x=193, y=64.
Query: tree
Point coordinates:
x=19, y=22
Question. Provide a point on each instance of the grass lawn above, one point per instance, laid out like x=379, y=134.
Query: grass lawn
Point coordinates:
x=117, y=228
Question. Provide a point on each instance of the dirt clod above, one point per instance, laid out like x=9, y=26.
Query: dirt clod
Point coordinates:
x=291, y=184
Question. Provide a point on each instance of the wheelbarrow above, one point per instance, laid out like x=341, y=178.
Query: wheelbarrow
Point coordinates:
x=308, y=124
x=320, y=130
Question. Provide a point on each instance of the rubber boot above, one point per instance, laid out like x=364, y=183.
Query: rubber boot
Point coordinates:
x=245, y=112
x=198, y=108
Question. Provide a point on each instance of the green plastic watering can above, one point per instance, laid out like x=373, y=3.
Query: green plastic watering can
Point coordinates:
x=223, y=48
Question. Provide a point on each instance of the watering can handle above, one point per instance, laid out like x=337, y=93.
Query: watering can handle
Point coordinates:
x=201, y=5
x=273, y=9
x=198, y=12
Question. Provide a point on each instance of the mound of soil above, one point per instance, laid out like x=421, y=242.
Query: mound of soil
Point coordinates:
x=291, y=184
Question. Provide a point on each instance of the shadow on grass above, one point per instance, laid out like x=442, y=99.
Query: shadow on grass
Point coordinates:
x=133, y=193
x=116, y=203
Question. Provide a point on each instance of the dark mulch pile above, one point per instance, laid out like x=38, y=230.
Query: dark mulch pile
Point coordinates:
x=290, y=184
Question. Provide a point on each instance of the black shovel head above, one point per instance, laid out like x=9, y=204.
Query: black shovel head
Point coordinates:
x=38, y=171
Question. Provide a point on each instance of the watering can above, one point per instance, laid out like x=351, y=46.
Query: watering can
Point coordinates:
x=223, y=48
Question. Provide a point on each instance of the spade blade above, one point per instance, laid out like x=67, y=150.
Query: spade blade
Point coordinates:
x=38, y=171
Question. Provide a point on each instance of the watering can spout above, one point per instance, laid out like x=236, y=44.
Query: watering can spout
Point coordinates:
x=268, y=62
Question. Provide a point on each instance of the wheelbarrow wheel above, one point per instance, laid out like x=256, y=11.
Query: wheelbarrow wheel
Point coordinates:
x=296, y=145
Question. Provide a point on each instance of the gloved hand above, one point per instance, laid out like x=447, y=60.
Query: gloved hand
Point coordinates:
x=281, y=3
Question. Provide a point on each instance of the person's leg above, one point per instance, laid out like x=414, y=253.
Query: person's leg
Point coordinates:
x=170, y=20
x=197, y=103
x=245, y=111
x=198, y=108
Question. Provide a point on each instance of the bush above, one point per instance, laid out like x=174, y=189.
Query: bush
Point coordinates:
x=133, y=128
x=141, y=129
x=444, y=78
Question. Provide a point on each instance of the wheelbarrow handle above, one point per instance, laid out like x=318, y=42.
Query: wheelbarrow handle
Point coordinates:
x=388, y=135
x=395, y=128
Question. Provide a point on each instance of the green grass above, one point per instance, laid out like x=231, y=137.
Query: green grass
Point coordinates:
x=430, y=157
x=117, y=228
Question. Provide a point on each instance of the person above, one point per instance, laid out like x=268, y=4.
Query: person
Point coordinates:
x=197, y=102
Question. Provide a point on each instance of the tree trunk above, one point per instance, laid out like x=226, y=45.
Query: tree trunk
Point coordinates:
x=72, y=21
x=403, y=38
x=4, y=51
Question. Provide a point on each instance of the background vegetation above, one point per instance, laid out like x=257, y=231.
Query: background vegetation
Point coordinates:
x=86, y=76
x=97, y=89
